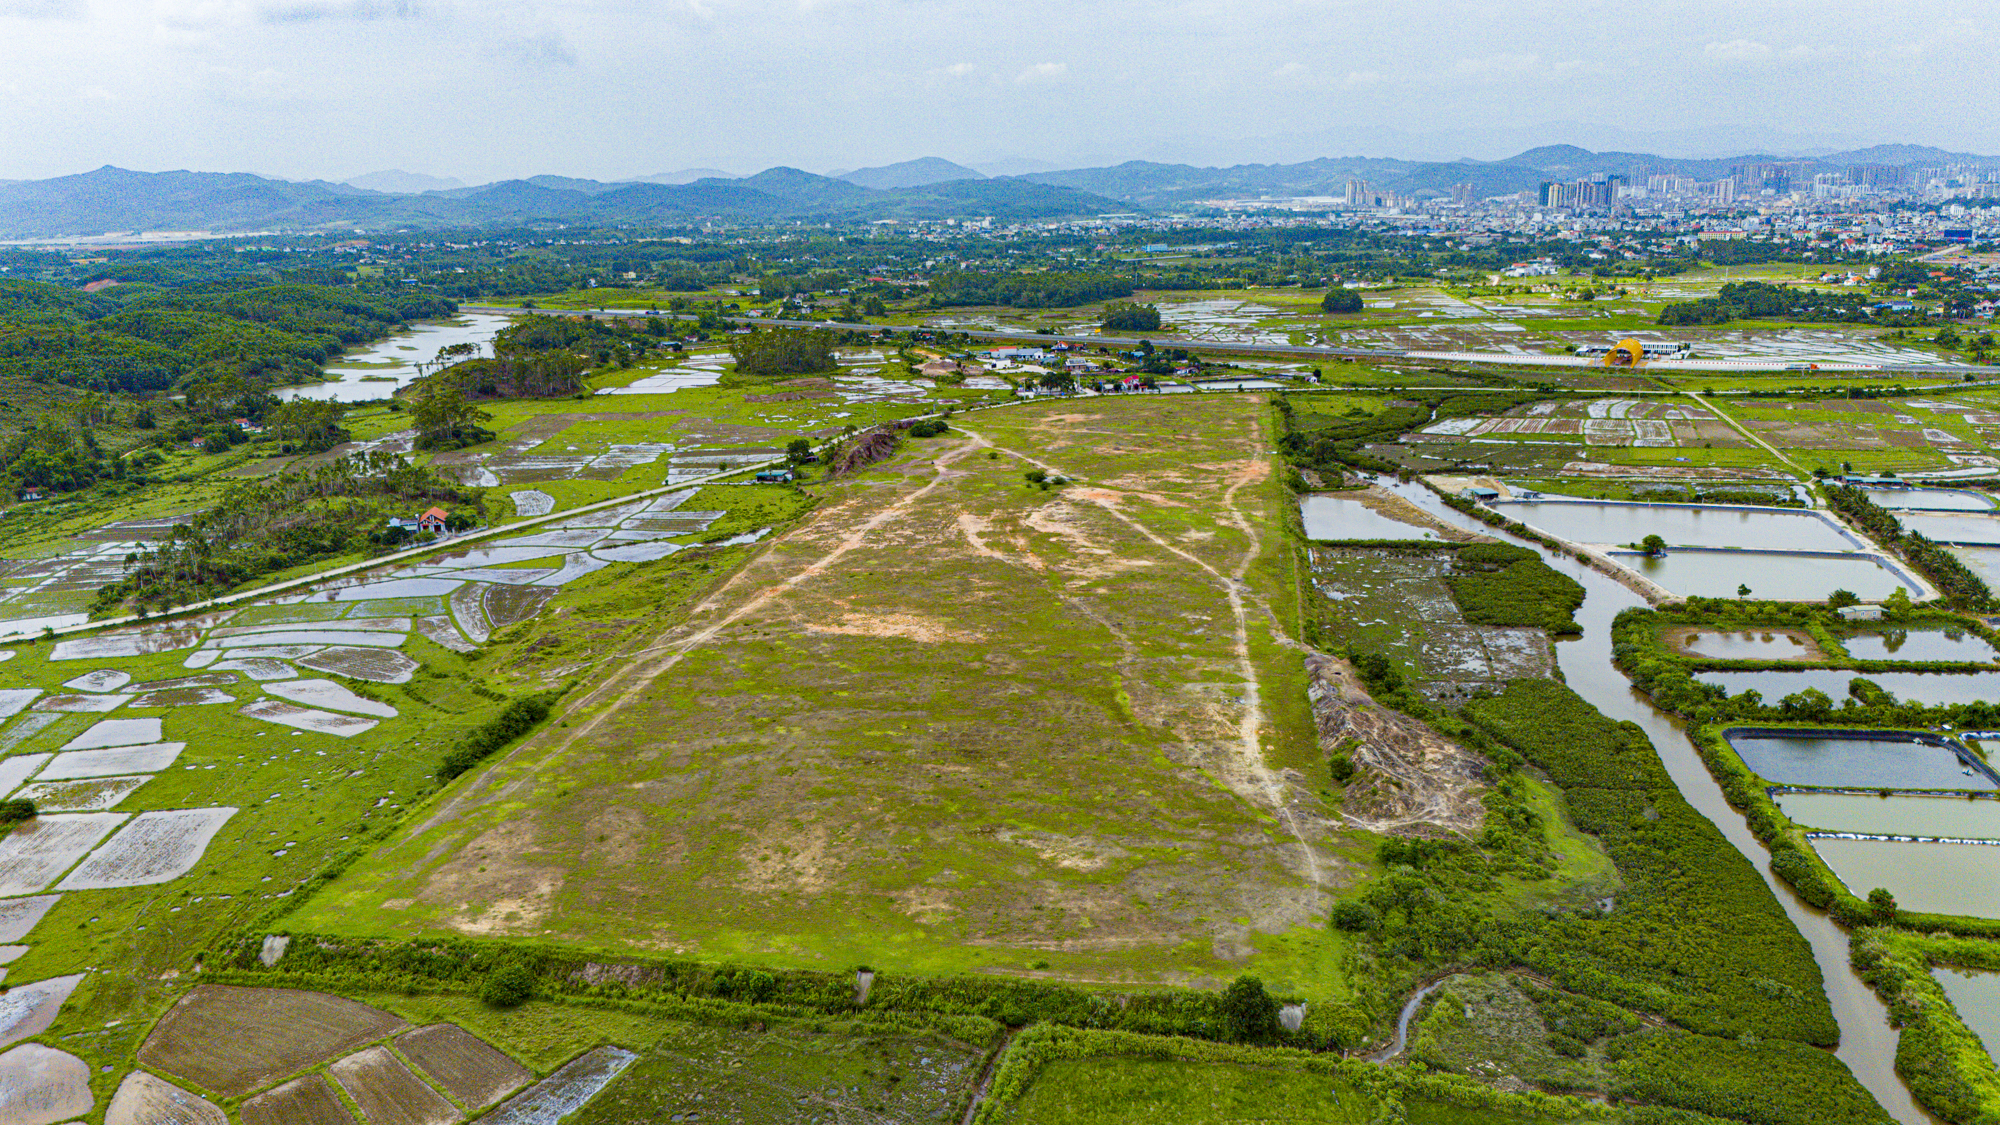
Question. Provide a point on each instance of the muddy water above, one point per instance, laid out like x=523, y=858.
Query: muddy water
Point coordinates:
x=1955, y=817
x=1867, y=1042
x=1935, y=878
x=1769, y=574
x=1922, y=687
x=1977, y=998
x=1616, y=522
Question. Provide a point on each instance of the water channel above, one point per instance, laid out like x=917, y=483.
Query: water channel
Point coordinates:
x=1867, y=1042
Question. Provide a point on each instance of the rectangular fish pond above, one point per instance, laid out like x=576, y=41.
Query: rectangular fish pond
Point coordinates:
x=1857, y=759
x=1975, y=528
x=1777, y=575
x=1931, y=688
x=1900, y=815
x=1930, y=499
x=1333, y=516
x=1932, y=878
x=1745, y=644
x=1616, y=522
x=1977, y=998
x=1917, y=644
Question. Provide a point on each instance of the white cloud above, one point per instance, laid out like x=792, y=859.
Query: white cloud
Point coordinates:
x=1290, y=70
x=955, y=70
x=1737, y=50
x=1043, y=72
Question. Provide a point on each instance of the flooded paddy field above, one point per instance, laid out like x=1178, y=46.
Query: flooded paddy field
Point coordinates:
x=1934, y=878
x=1777, y=575
x=1614, y=523
x=1905, y=814
x=1855, y=759
x=1930, y=688
x=380, y=369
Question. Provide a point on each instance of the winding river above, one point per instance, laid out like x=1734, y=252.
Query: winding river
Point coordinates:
x=1867, y=1042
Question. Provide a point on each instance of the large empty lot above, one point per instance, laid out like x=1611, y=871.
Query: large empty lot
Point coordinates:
x=951, y=721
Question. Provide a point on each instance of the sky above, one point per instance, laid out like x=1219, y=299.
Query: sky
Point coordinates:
x=610, y=89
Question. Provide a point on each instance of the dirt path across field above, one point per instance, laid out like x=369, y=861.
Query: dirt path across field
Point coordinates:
x=1270, y=788
x=655, y=660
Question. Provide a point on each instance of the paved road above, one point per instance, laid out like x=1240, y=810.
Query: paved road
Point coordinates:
x=1313, y=351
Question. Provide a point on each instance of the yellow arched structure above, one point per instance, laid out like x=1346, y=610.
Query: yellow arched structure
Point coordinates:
x=1625, y=353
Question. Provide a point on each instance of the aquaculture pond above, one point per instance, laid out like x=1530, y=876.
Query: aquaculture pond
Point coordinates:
x=1746, y=644
x=1917, y=644
x=1899, y=815
x=1977, y=998
x=1982, y=529
x=1331, y=516
x=1983, y=561
x=1890, y=760
x=1867, y=1041
x=1769, y=574
x=1930, y=499
x=1681, y=525
x=1934, y=688
x=1930, y=878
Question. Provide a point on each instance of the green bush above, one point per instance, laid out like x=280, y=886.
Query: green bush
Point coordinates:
x=508, y=986
x=513, y=721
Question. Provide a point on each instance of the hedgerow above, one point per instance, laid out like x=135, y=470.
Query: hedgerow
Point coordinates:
x=513, y=721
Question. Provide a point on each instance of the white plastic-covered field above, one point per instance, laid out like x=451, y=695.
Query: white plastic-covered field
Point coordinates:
x=84, y=795
x=199, y=679
x=104, y=679
x=305, y=718
x=182, y=697
x=375, y=665
x=12, y=700
x=326, y=693
x=81, y=703
x=311, y=637
x=117, y=732
x=41, y=1085
x=258, y=668
x=112, y=762
x=154, y=848
x=34, y=853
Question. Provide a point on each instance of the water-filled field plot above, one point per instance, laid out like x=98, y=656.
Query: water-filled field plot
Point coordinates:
x=146, y=1099
x=1744, y=644
x=1918, y=644
x=1855, y=759
x=1333, y=516
x=561, y=1094
x=29, y=1009
x=33, y=854
x=94, y=795
x=1778, y=576
x=40, y=1085
x=1976, y=997
x=112, y=761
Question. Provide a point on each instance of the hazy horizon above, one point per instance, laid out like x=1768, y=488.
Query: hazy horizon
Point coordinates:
x=608, y=90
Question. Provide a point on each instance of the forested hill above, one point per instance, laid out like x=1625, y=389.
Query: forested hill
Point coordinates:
x=113, y=200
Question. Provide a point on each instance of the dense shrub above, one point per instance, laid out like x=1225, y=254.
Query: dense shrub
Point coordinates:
x=513, y=721
x=508, y=986
x=1501, y=584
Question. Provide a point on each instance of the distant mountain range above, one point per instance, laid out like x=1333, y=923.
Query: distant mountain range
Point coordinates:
x=114, y=200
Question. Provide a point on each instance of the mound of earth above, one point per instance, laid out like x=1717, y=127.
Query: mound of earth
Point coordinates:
x=1409, y=780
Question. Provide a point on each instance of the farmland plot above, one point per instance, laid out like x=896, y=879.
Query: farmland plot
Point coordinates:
x=36, y=852
x=569, y=1089
x=388, y=1093
x=12, y=700
x=155, y=848
x=116, y=732
x=234, y=1040
x=302, y=1101
x=81, y=703
x=17, y=769
x=94, y=795
x=305, y=718
x=326, y=693
x=475, y=1073
x=375, y=665
x=104, y=679
x=182, y=697
x=19, y=915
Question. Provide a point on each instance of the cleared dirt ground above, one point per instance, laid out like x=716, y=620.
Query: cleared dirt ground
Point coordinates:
x=953, y=721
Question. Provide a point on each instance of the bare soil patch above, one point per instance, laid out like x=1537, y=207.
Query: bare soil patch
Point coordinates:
x=1409, y=780
x=475, y=1073
x=305, y=1101
x=233, y=1040
x=388, y=1093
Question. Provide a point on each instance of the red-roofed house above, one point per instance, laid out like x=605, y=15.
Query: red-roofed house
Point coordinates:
x=433, y=521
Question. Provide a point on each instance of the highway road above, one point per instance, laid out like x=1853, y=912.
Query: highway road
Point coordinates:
x=1308, y=351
